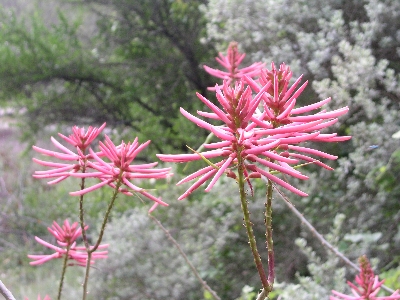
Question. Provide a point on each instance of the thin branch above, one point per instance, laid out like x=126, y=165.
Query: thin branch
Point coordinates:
x=203, y=283
x=5, y=292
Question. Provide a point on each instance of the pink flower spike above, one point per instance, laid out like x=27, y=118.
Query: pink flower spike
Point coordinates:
x=81, y=139
x=77, y=161
x=120, y=168
x=368, y=285
x=255, y=132
x=66, y=236
x=231, y=62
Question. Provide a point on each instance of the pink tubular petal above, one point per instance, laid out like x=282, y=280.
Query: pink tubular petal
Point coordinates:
x=54, y=172
x=281, y=182
x=48, y=163
x=281, y=169
x=287, y=111
x=260, y=122
x=296, y=94
x=290, y=128
x=153, y=207
x=313, y=151
x=313, y=160
x=217, y=145
x=278, y=157
x=55, y=154
x=299, y=138
x=57, y=180
x=219, y=173
x=48, y=245
x=216, y=73
x=252, y=83
x=61, y=147
x=189, y=157
x=85, y=175
x=262, y=149
x=321, y=116
x=98, y=159
x=308, y=108
x=322, y=125
x=222, y=134
x=131, y=185
x=41, y=259
x=90, y=189
x=198, y=183
x=198, y=173
x=214, y=108
x=151, y=197
x=257, y=98
x=208, y=115
x=337, y=139
x=195, y=120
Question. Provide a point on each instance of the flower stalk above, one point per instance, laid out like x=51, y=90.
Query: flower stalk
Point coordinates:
x=269, y=240
x=90, y=250
x=64, y=269
x=249, y=226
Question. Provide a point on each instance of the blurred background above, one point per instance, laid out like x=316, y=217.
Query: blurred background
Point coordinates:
x=132, y=64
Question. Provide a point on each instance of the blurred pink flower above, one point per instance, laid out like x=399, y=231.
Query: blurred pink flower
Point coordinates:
x=231, y=62
x=80, y=140
x=120, y=168
x=45, y=298
x=66, y=238
x=368, y=285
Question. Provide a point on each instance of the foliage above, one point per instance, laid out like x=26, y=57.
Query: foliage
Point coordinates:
x=144, y=62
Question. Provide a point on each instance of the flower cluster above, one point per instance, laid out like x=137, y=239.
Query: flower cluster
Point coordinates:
x=85, y=163
x=260, y=132
x=66, y=239
x=368, y=286
x=231, y=62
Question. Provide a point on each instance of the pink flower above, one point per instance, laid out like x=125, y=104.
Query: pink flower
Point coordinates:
x=279, y=115
x=119, y=169
x=239, y=138
x=80, y=141
x=45, y=298
x=231, y=62
x=266, y=138
x=368, y=285
x=66, y=238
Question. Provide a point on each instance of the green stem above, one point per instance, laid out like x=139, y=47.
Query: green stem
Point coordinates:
x=103, y=226
x=64, y=269
x=81, y=217
x=268, y=235
x=249, y=225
